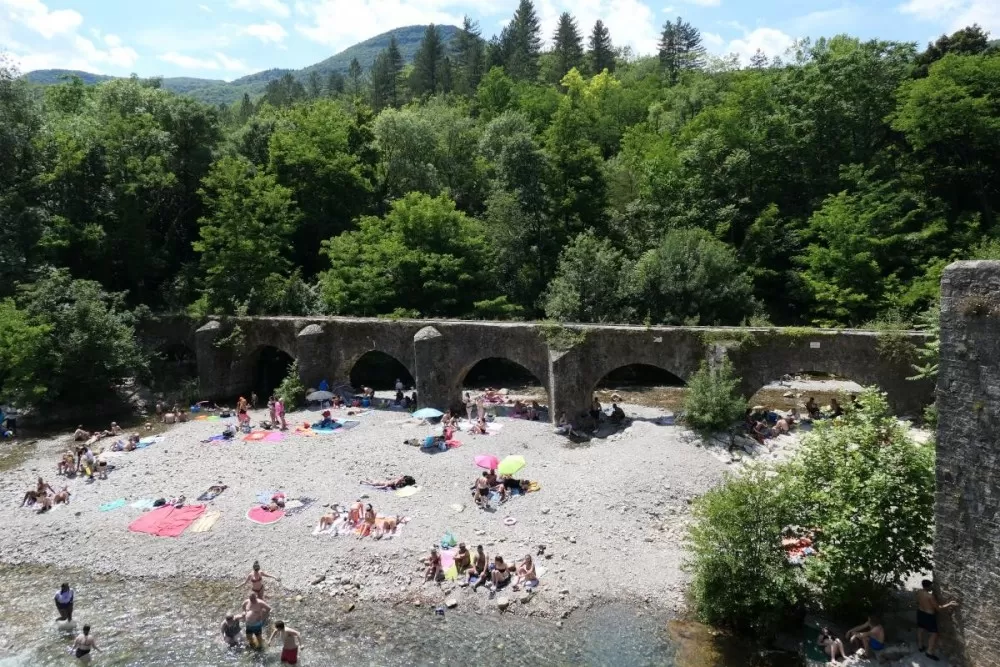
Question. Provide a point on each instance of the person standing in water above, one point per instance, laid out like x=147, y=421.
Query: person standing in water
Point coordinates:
x=64, y=603
x=290, y=643
x=231, y=629
x=255, y=613
x=256, y=580
x=84, y=644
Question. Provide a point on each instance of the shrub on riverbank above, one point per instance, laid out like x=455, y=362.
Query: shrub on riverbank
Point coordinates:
x=291, y=391
x=866, y=489
x=712, y=402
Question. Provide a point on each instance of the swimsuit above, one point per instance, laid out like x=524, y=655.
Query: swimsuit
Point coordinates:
x=927, y=622
x=80, y=652
x=875, y=644
x=290, y=655
x=255, y=629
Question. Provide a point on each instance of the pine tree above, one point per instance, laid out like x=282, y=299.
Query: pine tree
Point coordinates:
x=246, y=107
x=334, y=84
x=568, y=45
x=469, y=61
x=680, y=49
x=381, y=77
x=758, y=60
x=602, y=51
x=315, y=85
x=426, y=76
x=396, y=64
x=524, y=39
x=355, y=73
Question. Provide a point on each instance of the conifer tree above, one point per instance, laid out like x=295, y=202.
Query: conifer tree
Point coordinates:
x=523, y=43
x=680, y=49
x=567, y=45
x=602, y=52
x=355, y=73
x=427, y=64
x=469, y=62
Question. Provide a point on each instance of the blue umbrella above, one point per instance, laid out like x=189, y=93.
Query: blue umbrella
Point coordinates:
x=427, y=413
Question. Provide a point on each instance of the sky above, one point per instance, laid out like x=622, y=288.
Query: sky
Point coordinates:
x=226, y=39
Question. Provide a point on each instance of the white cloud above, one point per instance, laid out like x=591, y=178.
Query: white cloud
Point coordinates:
x=770, y=41
x=269, y=32
x=219, y=61
x=631, y=22
x=275, y=7
x=952, y=15
x=704, y=3
x=341, y=23
x=36, y=16
x=113, y=40
x=713, y=40
x=117, y=55
x=205, y=8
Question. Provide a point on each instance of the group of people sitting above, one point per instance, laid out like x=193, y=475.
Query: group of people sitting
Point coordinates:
x=763, y=423
x=363, y=518
x=836, y=410
x=591, y=420
x=44, y=497
x=479, y=571
x=504, y=486
x=869, y=636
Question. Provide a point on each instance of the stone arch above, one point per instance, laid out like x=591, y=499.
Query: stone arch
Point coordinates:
x=536, y=371
x=269, y=366
x=490, y=370
x=172, y=364
x=379, y=370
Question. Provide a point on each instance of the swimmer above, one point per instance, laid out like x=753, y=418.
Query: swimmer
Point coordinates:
x=84, y=644
x=64, y=603
x=256, y=580
x=290, y=643
x=255, y=613
x=231, y=629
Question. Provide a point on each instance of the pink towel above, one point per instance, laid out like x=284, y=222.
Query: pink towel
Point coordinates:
x=167, y=521
x=258, y=514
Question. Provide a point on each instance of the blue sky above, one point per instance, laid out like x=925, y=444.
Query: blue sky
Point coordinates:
x=226, y=39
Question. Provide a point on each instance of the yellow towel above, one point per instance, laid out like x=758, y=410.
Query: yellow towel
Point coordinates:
x=205, y=523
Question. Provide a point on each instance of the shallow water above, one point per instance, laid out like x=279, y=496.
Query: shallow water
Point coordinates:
x=150, y=623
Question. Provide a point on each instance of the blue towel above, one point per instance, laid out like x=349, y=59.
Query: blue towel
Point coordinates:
x=113, y=505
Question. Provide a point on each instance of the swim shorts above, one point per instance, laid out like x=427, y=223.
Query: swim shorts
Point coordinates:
x=927, y=622
x=290, y=656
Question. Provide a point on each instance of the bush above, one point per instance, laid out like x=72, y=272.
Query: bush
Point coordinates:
x=867, y=490
x=740, y=577
x=291, y=391
x=713, y=402
x=870, y=490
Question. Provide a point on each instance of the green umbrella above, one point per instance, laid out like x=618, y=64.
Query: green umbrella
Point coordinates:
x=510, y=465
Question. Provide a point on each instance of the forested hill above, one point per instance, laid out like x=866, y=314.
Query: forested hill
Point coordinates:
x=494, y=179
x=216, y=91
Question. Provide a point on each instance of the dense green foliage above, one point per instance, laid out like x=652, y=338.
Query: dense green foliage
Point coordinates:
x=865, y=487
x=492, y=178
x=291, y=391
x=712, y=402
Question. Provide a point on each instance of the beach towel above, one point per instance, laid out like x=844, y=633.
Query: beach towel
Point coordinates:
x=143, y=504
x=212, y=495
x=297, y=505
x=255, y=436
x=167, y=521
x=205, y=523
x=407, y=491
x=151, y=440
x=113, y=505
x=305, y=432
x=274, y=436
x=216, y=438
x=448, y=564
x=258, y=514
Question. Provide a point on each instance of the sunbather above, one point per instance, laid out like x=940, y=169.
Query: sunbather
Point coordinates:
x=356, y=513
x=327, y=520
x=870, y=635
x=526, y=575
x=433, y=566
x=463, y=559
x=480, y=425
x=368, y=523
x=395, y=483
x=831, y=645
x=326, y=422
x=62, y=496
x=478, y=569
x=385, y=525
x=499, y=573
x=80, y=435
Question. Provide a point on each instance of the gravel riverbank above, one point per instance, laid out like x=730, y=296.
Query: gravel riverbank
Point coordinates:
x=610, y=512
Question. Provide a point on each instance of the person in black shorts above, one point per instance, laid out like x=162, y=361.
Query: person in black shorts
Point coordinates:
x=231, y=629
x=927, y=625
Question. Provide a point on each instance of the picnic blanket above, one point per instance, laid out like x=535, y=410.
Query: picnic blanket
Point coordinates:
x=113, y=505
x=212, y=495
x=205, y=523
x=167, y=521
x=258, y=514
x=143, y=504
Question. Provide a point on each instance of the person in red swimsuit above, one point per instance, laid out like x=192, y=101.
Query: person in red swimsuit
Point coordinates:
x=290, y=643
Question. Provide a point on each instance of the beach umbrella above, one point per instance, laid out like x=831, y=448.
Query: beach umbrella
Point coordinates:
x=427, y=413
x=319, y=396
x=487, y=461
x=510, y=465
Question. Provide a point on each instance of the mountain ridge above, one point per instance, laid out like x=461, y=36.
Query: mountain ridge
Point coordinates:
x=217, y=91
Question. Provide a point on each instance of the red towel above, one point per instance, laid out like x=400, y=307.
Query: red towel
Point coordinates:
x=167, y=521
x=260, y=515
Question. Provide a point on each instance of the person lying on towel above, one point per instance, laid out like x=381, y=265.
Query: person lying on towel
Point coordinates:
x=391, y=484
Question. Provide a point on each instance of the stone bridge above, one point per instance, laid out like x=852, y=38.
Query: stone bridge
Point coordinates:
x=568, y=360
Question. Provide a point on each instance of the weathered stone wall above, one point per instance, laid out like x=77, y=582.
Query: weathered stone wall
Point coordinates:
x=568, y=361
x=967, y=508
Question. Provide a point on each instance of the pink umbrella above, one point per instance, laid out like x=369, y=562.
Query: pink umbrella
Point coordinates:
x=487, y=461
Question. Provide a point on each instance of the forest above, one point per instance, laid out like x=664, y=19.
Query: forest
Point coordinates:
x=497, y=179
